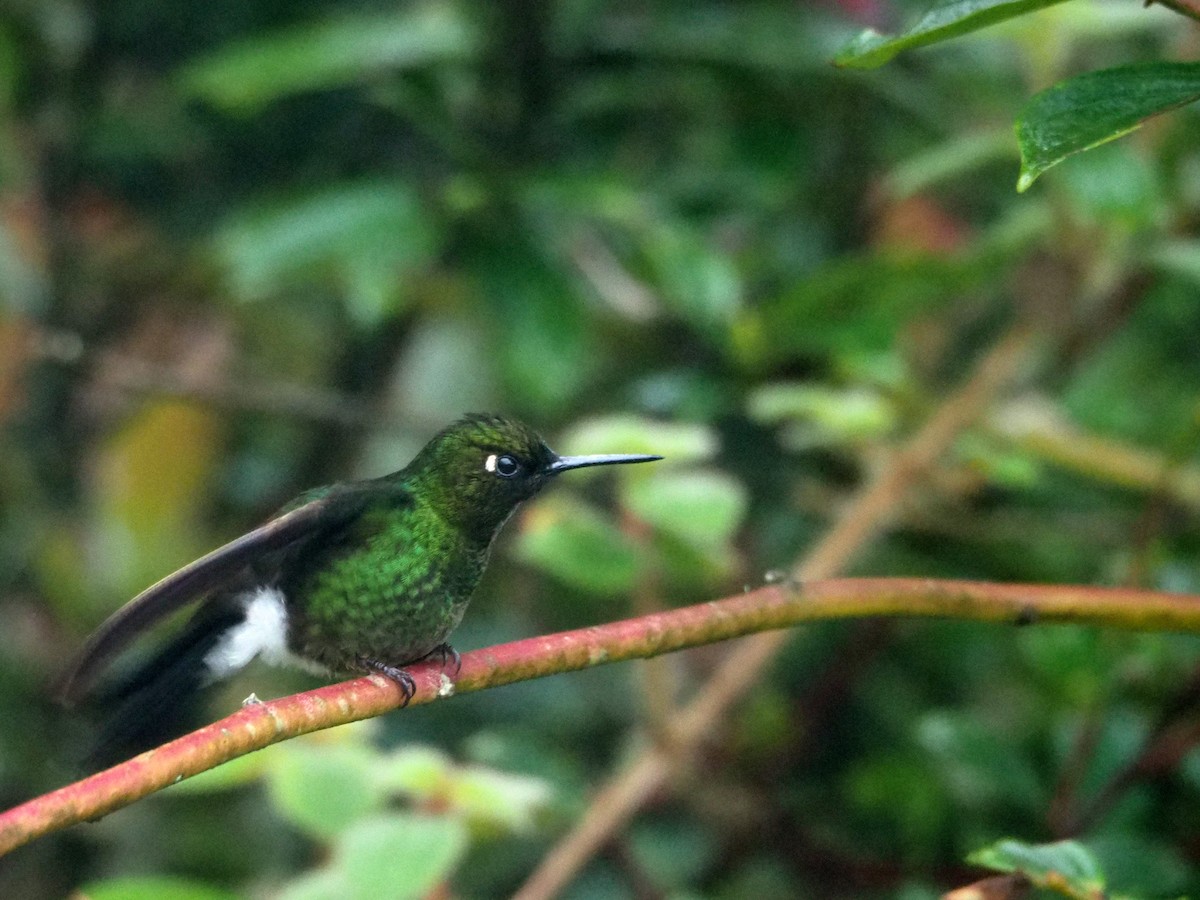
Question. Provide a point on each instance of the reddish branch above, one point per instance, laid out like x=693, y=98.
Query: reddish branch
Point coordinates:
x=774, y=607
x=863, y=518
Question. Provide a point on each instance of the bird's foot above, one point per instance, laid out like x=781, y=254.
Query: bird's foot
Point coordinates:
x=403, y=680
x=446, y=654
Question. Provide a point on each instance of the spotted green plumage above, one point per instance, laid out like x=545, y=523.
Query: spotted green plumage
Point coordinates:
x=393, y=584
x=366, y=576
x=393, y=591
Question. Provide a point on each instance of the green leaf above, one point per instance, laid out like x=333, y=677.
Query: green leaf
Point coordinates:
x=944, y=21
x=487, y=798
x=1097, y=107
x=249, y=75
x=324, y=884
x=698, y=281
x=153, y=888
x=324, y=789
x=399, y=856
x=574, y=543
x=544, y=341
x=703, y=508
x=365, y=236
x=823, y=414
x=1069, y=861
x=502, y=802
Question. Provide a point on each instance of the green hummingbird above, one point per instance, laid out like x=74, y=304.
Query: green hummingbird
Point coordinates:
x=357, y=577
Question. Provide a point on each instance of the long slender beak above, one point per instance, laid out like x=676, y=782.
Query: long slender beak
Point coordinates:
x=563, y=463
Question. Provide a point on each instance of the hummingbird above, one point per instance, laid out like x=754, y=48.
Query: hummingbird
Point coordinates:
x=356, y=577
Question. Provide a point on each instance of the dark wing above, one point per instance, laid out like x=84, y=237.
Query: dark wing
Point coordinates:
x=331, y=509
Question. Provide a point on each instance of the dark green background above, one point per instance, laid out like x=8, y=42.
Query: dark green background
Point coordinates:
x=247, y=247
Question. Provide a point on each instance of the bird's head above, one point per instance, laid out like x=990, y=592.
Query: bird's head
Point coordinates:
x=480, y=468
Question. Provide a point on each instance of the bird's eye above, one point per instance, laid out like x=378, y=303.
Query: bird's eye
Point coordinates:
x=503, y=465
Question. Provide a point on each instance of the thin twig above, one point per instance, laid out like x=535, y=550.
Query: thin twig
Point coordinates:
x=1039, y=429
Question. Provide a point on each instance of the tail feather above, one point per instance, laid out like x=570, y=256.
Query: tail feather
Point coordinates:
x=163, y=698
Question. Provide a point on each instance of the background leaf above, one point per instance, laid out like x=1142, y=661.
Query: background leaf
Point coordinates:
x=943, y=21
x=151, y=888
x=324, y=789
x=371, y=237
x=247, y=76
x=1068, y=860
x=398, y=856
x=576, y=544
x=704, y=508
x=1096, y=107
x=248, y=247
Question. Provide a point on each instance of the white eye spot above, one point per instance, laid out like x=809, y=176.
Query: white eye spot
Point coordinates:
x=503, y=464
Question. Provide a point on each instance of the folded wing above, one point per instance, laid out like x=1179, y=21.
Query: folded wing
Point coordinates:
x=328, y=510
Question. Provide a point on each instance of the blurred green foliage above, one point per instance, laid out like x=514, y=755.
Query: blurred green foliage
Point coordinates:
x=1066, y=866
x=250, y=247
